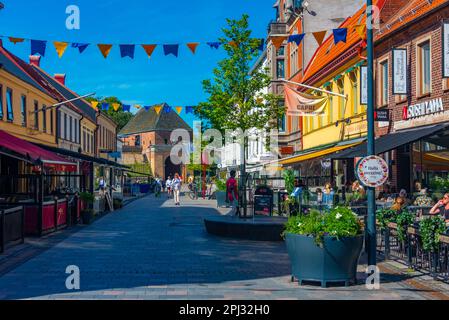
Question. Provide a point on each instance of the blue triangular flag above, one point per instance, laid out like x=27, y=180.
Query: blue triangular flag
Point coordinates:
x=214, y=45
x=147, y=108
x=171, y=49
x=126, y=108
x=262, y=44
x=189, y=109
x=38, y=46
x=340, y=35
x=167, y=109
x=296, y=38
x=80, y=46
x=127, y=50
x=105, y=106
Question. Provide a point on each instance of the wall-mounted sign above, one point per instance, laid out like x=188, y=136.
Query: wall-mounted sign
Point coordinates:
x=445, y=48
x=363, y=85
x=399, y=71
x=286, y=150
x=423, y=109
x=382, y=115
x=372, y=171
x=326, y=163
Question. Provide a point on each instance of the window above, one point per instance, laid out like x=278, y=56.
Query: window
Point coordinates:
x=23, y=110
x=1, y=102
x=354, y=92
x=84, y=141
x=44, y=118
x=36, y=115
x=281, y=51
x=9, y=106
x=341, y=101
x=51, y=121
x=280, y=69
x=330, y=116
x=383, y=83
x=137, y=141
x=70, y=128
x=424, y=76
x=282, y=124
x=66, y=134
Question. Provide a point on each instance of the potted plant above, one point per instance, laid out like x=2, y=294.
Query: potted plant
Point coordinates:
x=118, y=204
x=220, y=194
x=325, y=247
x=87, y=213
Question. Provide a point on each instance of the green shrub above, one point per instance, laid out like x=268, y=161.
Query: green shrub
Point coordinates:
x=430, y=230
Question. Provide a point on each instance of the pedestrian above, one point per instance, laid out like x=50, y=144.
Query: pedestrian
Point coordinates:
x=168, y=184
x=157, y=187
x=176, y=186
x=232, y=193
x=442, y=208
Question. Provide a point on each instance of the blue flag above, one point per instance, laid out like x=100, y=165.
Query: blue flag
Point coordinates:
x=147, y=108
x=297, y=38
x=214, y=45
x=105, y=106
x=127, y=50
x=189, y=109
x=167, y=109
x=171, y=49
x=262, y=44
x=126, y=108
x=340, y=35
x=38, y=46
x=80, y=46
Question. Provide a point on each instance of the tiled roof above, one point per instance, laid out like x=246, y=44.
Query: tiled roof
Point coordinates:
x=410, y=12
x=146, y=121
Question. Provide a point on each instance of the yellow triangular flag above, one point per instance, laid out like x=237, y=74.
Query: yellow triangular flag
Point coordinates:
x=105, y=49
x=138, y=107
x=319, y=36
x=361, y=30
x=158, y=109
x=60, y=48
x=16, y=40
x=116, y=106
x=95, y=104
x=179, y=110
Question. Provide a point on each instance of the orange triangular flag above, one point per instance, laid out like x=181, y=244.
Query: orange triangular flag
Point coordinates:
x=95, y=104
x=158, y=109
x=277, y=41
x=138, y=107
x=233, y=44
x=192, y=46
x=179, y=110
x=319, y=36
x=60, y=48
x=105, y=49
x=116, y=106
x=149, y=49
x=361, y=30
x=16, y=40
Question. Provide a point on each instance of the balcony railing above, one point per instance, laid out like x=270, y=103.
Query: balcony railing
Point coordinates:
x=132, y=149
x=277, y=28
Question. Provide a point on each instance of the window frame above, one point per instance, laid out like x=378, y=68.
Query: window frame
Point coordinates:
x=9, y=104
x=419, y=67
x=384, y=86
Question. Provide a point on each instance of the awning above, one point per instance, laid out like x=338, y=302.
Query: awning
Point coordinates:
x=392, y=141
x=26, y=151
x=317, y=153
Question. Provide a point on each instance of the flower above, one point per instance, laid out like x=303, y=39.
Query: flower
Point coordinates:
x=299, y=224
x=338, y=216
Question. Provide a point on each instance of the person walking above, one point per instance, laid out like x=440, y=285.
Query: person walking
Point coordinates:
x=232, y=193
x=176, y=186
x=168, y=184
x=157, y=187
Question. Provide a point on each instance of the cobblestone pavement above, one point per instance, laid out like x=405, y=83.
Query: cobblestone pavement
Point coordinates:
x=154, y=250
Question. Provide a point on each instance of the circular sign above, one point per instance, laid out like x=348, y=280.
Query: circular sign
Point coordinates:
x=372, y=171
x=326, y=163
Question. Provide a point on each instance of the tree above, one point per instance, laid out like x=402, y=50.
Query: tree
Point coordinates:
x=120, y=117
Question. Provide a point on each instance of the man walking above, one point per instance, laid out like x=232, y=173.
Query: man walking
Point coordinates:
x=176, y=186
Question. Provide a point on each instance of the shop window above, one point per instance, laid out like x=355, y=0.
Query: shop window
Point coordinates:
x=23, y=110
x=383, y=85
x=36, y=115
x=280, y=69
x=44, y=118
x=424, y=68
x=9, y=106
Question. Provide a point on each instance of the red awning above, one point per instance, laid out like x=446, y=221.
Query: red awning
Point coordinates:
x=32, y=153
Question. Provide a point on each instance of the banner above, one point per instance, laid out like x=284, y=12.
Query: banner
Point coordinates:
x=302, y=104
x=399, y=71
x=445, y=48
x=363, y=85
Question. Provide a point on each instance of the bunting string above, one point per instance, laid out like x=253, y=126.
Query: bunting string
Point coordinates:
x=127, y=108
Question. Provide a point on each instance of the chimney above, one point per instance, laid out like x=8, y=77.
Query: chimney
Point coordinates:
x=35, y=61
x=60, y=78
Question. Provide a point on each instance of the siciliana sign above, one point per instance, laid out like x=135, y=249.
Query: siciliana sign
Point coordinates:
x=372, y=171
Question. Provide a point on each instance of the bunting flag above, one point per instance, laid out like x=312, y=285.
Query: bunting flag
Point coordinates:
x=189, y=109
x=138, y=107
x=105, y=106
x=38, y=46
x=233, y=44
x=16, y=40
x=192, y=46
x=262, y=44
x=105, y=49
x=116, y=106
x=149, y=49
x=167, y=109
x=147, y=108
x=297, y=38
x=361, y=30
x=126, y=108
x=80, y=46
x=319, y=36
x=127, y=50
x=158, y=109
x=214, y=45
x=179, y=110
x=278, y=41
x=171, y=49
x=340, y=35
x=60, y=48
x=95, y=104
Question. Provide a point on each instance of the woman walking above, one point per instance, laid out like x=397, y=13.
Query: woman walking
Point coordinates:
x=232, y=194
x=176, y=186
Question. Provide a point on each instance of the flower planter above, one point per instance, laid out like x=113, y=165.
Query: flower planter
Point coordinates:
x=87, y=216
x=336, y=261
x=221, y=199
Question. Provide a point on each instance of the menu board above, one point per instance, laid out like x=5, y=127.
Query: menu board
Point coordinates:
x=263, y=205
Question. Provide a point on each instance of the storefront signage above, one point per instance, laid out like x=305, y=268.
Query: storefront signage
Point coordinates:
x=382, y=115
x=356, y=129
x=399, y=71
x=303, y=104
x=445, y=48
x=372, y=171
x=287, y=150
x=364, y=85
x=423, y=109
x=326, y=163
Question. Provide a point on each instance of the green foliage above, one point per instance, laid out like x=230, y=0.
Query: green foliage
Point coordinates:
x=339, y=222
x=440, y=184
x=87, y=197
x=140, y=169
x=430, y=230
x=120, y=117
x=384, y=217
x=404, y=219
x=289, y=178
x=221, y=185
x=233, y=92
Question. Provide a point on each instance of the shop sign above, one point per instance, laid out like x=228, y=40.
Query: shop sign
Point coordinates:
x=399, y=71
x=445, y=48
x=423, y=109
x=364, y=85
x=357, y=128
x=382, y=115
x=372, y=171
x=422, y=121
x=287, y=150
x=326, y=163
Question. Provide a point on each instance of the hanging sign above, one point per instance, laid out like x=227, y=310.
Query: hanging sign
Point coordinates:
x=400, y=71
x=326, y=164
x=445, y=48
x=304, y=105
x=372, y=171
x=363, y=85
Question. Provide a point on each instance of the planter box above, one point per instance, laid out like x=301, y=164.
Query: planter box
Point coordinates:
x=336, y=261
x=221, y=199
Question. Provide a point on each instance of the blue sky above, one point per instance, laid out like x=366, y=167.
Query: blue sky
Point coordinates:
x=176, y=81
